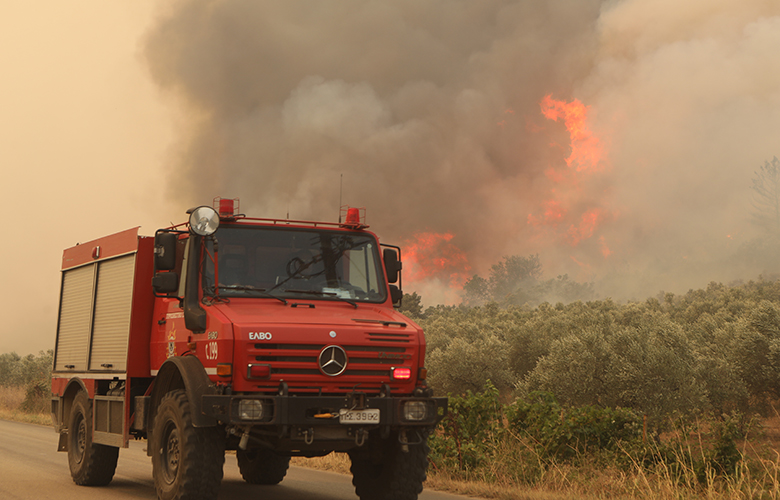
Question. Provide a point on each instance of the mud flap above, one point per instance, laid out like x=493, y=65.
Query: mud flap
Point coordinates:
x=63, y=443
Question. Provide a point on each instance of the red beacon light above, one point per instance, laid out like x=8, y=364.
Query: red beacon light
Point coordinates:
x=353, y=217
x=226, y=207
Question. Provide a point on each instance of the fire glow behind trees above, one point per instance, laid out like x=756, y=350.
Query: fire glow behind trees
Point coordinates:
x=432, y=257
x=564, y=218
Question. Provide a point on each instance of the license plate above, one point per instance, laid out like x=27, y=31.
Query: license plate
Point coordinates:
x=367, y=416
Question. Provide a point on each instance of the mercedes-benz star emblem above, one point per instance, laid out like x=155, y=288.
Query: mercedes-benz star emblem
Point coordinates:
x=333, y=360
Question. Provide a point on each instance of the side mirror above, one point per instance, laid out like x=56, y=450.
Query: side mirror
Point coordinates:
x=165, y=251
x=392, y=264
x=165, y=283
x=396, y=295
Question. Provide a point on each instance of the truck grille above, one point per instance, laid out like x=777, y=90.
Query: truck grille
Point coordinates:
x=368, y=365
x=390, y=337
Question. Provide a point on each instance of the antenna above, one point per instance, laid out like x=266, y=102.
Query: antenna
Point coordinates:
x=341, y=190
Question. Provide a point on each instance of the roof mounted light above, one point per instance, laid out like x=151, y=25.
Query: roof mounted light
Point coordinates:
x=352, y=217
x=204, y=221
x=227, y=208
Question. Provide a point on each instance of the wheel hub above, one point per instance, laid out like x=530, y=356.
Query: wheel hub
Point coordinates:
x=81, y=439
x=171, y=455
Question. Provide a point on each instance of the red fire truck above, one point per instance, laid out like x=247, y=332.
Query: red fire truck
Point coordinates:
x=273, y=338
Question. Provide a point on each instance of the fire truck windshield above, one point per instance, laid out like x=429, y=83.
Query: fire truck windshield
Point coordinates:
x=288, y=263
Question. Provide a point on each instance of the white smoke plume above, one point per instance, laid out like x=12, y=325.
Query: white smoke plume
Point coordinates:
x=431, y=113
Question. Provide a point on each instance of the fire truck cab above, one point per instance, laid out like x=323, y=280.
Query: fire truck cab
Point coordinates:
x=274, y=338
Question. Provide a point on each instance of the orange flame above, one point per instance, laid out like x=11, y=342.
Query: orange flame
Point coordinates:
x=586, y=227
x=569, y=214
x=586, y=149
x=433, y=256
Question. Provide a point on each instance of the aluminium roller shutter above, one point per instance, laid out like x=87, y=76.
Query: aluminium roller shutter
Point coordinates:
x=75, y=318
x=113, y=304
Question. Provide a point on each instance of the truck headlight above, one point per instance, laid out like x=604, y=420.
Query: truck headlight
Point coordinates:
x=250, y=409
x=415, y=411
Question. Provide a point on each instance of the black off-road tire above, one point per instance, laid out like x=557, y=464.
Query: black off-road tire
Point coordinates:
x=383, y=471
x=186, y=461
x=262, y=466
x=90, y=464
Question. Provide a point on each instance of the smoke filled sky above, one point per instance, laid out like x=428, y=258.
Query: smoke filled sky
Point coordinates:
x=449, y=121
x=432, y=113
x=83, y=139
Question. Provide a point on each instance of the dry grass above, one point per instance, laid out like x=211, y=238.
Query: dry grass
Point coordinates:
x=335, y=462
x=11, y=399
x=442, y=482
x=757, y=477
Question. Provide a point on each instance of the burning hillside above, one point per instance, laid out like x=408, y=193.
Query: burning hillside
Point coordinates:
x=614, y=139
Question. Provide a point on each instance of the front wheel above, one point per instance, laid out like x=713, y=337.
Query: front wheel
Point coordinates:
x=262, y=466
x=90, y=464
x=186, y=460
x=382, y=470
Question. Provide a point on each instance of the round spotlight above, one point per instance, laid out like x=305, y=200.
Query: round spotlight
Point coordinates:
x=204, y=221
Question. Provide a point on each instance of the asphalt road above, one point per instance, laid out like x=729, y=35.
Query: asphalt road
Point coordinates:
x=31, y=468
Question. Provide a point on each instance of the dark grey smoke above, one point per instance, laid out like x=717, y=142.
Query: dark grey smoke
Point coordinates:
x=430, y=111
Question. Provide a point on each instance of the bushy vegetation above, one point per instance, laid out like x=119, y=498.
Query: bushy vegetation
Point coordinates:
x=710, y=351
x=665, y=388
x=31, y=374
x=534, y=441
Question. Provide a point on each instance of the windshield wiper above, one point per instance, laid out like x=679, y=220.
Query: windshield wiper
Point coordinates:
x=249, y=288
x=325, y=294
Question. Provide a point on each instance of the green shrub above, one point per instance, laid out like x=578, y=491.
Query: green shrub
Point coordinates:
x=31, y=372
x=20, y=371
x=468, y=347
x=468, y=435
x=36, y=398
x=568, y=433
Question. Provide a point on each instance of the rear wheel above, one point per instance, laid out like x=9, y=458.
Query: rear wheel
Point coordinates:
x=186, y=460
x=262, y=466
x=381, y=470
x=90, y=464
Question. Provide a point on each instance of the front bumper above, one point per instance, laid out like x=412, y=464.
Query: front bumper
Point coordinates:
x=313, y=411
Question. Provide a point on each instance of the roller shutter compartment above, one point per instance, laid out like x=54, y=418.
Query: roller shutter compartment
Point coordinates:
x=75, y=318
x=113, y=306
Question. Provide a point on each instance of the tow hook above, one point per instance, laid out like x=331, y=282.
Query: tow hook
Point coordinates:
x=360, y=437
x=308, y=435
